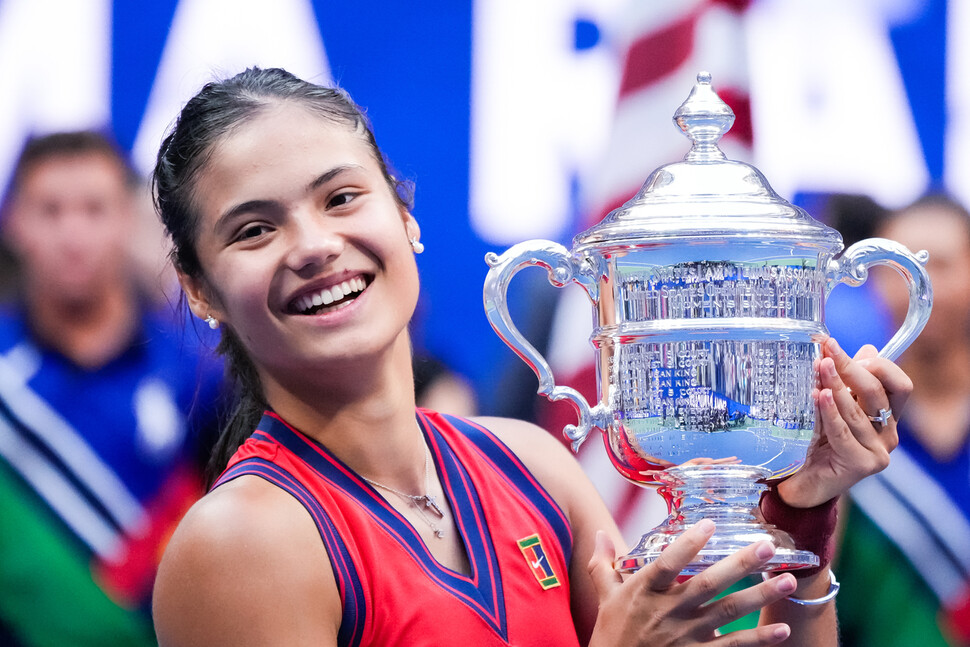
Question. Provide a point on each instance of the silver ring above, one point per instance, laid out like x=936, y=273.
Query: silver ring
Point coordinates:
x=883, y=417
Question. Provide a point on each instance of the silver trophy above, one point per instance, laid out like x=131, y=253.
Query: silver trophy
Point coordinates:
x=708, y=296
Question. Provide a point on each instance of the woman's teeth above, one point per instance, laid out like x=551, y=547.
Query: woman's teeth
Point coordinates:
x=331, y=295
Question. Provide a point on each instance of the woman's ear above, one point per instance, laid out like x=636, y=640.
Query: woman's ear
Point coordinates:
x=411, y=227
x=197, y=294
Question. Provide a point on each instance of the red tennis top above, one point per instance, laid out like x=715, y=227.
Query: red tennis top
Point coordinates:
x=394, y=591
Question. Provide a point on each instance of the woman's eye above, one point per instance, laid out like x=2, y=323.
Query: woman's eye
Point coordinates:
x=251, y=231
x=341, y=199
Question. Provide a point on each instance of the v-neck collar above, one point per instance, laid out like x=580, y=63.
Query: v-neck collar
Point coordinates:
x=481, y=589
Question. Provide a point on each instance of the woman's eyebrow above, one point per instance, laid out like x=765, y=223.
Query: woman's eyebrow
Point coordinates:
x=244, y=207
x=331, y=174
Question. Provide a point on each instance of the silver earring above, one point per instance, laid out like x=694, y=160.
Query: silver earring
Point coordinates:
x=416, y=245
x=212, y=321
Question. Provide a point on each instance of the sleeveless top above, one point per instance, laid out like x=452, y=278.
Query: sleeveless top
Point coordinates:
x=393, y=590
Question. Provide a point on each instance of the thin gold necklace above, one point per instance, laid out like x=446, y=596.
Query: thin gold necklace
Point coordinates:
x=421, y=502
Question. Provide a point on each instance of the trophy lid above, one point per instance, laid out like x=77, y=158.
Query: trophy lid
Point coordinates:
x=707, y=195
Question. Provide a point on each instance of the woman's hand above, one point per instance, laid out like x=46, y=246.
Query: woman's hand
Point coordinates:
x=848, y=446
x=652, y=608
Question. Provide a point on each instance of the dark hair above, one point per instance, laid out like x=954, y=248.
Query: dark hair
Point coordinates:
x=38, y=150
x=214, y=113
x=933, y=200
x=855, y=216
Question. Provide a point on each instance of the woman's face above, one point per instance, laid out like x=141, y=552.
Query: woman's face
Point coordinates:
x=303, y=247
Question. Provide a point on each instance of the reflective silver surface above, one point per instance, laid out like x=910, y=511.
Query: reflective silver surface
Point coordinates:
x=708, y=297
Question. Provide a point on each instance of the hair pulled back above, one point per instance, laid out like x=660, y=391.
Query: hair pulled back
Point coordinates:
x=208, y=118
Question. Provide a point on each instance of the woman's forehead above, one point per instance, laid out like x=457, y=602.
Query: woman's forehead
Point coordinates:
x=276, y=155
x=290, y=137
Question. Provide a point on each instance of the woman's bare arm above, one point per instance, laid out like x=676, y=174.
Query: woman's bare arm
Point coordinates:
x=246, y=567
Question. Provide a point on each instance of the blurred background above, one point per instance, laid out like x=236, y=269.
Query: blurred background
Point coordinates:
x=524, y=120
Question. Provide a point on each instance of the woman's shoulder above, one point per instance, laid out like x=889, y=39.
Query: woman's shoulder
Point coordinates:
x=528, y=441
x=241, y=506
x=545, y=456
x=246, y=553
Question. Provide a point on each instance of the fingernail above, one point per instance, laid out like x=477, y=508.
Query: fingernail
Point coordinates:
x=786, y=584
x=764, y=550
x=829, y=368
x=782, y=631
x=864, y=363
x=705, y=525
x=834, y=345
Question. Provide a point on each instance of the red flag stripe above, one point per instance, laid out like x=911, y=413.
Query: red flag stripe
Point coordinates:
x=658, y=53
x=740, y=103
x=739, y=6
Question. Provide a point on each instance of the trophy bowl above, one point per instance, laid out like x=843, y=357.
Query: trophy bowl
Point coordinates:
x=708, y=296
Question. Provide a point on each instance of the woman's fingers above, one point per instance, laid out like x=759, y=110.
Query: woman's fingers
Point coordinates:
x=741, y=603
x=699, y=593
x=759, y=637
x=868, y=351
x=652, y=602
x=718, y=577
x=600, y=567
x=858, y=394
x=897, y=384
x=662, y=573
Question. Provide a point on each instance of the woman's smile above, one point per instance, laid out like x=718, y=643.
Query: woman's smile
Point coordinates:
x=329, y=298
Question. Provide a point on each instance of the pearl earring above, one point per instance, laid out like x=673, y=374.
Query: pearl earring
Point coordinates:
x=416, y=245
x=212, y=321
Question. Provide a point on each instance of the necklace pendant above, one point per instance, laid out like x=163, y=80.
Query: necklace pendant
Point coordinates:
x=439, y=533
x=430, y=502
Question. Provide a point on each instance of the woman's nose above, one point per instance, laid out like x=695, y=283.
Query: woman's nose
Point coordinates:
x=314, y=242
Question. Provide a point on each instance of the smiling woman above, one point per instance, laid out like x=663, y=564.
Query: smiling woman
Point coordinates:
x=344, y=515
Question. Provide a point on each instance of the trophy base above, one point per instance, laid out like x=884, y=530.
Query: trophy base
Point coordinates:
x=785, y=559
x=728, y=495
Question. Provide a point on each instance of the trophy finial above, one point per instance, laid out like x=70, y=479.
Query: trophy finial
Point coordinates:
x=704, y=118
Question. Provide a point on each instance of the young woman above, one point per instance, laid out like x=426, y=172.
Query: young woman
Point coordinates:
x=349, y=517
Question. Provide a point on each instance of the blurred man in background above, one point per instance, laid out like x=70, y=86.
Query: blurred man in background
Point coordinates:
x=905, y=560
x=105, y=405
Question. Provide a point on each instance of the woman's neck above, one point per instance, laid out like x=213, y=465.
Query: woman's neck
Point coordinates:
x=366, y=417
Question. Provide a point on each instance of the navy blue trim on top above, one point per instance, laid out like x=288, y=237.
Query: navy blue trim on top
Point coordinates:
x=354, y=616
x=519, y=477
x=481, y=591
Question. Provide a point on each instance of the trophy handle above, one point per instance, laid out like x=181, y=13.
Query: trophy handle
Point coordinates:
x=562, y=269
x=852, y=267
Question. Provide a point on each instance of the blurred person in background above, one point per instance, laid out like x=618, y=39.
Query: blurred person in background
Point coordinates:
x=437, y=385
x=106, y=405
x=441, y=388
x=905, y=559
